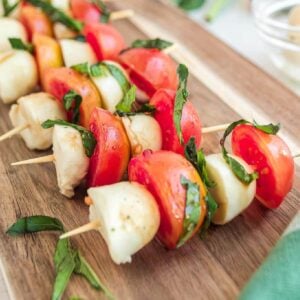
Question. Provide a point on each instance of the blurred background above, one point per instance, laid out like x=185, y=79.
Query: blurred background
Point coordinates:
x=267, y=32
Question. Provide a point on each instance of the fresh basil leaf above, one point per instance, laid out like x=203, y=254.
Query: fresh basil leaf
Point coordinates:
x=189, y=4
x=151, y=44
x=57, y=15
x=119, y=76
x=125, y=105
x=105, y=12
x=99, y=70
x=180, y=99
x=64, y=266
x=84, y=269
x=8, y=9
x=72, y=102
x=268, y=129
x=82, y=68
x=88, y=140
x=192, y=210
x=211, y=206
x=35, y=224
x=197, y=158
x=18, y=44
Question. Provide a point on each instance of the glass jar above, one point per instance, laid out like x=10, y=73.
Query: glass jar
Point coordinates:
x=282, y=39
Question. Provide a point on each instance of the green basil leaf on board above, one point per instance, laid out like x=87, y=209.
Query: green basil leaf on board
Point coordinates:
x=180, y=99
x=34, y=224
x=18, y=44
x=57, y=15
x=84, y=269
x=211, y=206
x=189, y=4
x=80, y=38
x=67, y=260
x=125, y=106
x=152, y=44
x=105, y=12
x=72, y=102
x=9, y=8
x=197, y=158
x=88, y=140
x=82, y=68
x=192, y=210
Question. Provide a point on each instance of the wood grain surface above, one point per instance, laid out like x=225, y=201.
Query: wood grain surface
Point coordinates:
x=216, y=268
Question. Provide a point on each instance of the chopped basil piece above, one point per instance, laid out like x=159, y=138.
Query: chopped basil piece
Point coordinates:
x=8, y=8
x=82, y=68
x=192, y=210
x=197, y=158
x=189, y=4
x=72, y=102
x=88, y=140
x=125, y=106
x=57, y=15
x=99, y=70
x=180, y=99
x=268, y=129
x=138, y=109
x=105, y=12
x=151, y=44
x=34, y=224
x=18, y=44
x=211, y=206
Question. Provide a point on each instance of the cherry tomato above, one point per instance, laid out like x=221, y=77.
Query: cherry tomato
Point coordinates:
x=164, y=101
x=59, y=81
x=111, y=156
x=160, y=172
x=105, y=40
x=47, y=54
x=150, y=69
x=85, y=11
x=35, y=21
x=270, y=157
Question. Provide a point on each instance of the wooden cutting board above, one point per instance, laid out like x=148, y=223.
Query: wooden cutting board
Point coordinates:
x=224, y=87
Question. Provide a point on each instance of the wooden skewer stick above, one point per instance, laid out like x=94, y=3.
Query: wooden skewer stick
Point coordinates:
x=121, y=14
x=38, y=160
x=94, y=225
x=13, y=132
x=211, y=129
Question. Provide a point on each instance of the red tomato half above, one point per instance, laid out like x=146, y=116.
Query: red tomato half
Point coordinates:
x=160, y=172
x=85, y=11
x=164, y=101
x=111, y=156
x=270, y=157
x=150, y=69
x=105, y=40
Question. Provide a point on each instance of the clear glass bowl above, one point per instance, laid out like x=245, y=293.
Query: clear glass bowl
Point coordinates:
x=283, y=40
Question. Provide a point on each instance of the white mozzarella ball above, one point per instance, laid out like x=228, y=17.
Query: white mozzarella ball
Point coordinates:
x=63, y=32
x=10, y=28
x=71, y=161
x=33, y=110
x=76, y=52
x=18, y=76
x=232, y=196
x=143, y=132
x=129, y=217
x=109, y=88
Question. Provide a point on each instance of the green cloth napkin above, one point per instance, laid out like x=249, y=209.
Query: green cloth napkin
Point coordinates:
x=279, y=276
